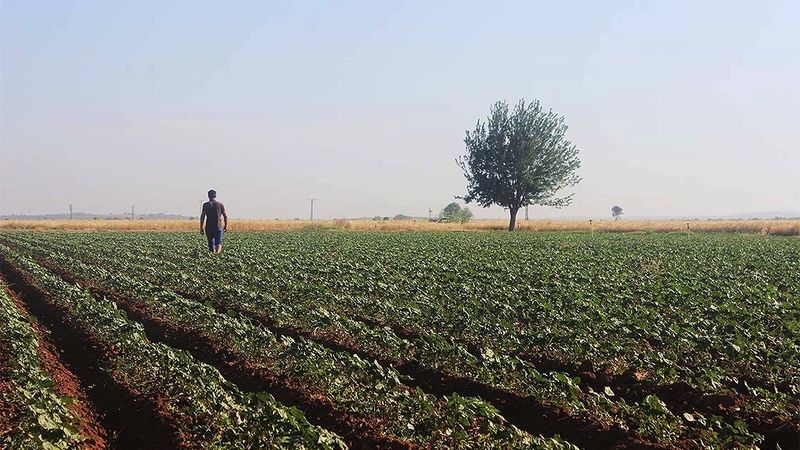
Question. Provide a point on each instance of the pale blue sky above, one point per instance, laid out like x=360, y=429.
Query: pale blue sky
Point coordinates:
x=679, y=108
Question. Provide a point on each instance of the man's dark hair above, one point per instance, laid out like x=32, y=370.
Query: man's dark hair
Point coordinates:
x=212, y=194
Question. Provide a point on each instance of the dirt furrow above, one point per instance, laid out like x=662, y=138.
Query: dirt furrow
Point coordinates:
x=680, y=397
x=524, y=412
x=130, y=422
x=358, y=432
x=527, y=414
x=66, y=384
x=8, y=411
x=520, y=411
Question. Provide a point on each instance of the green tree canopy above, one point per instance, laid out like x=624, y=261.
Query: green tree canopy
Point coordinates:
x=519, y=158
x=453, y=212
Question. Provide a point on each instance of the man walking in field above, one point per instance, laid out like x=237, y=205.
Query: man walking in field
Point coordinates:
x=213, y=215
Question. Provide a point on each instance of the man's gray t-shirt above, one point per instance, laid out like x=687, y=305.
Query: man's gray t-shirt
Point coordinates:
x=213, y=211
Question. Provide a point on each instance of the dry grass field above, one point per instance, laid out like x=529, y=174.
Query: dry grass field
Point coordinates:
x=772, y=227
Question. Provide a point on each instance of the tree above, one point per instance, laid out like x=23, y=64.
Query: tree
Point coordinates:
x=451, y=210
x=519, y=158
x=465, y=215
x=454, y=213
x=616, y=212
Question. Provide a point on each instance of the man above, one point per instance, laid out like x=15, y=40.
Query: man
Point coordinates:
x=214, y=212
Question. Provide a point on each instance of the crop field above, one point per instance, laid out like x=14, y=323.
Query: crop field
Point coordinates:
x=363, y=339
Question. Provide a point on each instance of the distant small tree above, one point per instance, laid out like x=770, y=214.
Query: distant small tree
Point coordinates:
x=465, y=215
x=616, y=212
x=454, y=213
x=451, y=210
x=519, y=158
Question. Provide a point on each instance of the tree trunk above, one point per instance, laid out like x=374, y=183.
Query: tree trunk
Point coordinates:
x=513, y=222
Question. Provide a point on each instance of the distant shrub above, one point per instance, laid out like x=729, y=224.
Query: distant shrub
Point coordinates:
x=341, y=223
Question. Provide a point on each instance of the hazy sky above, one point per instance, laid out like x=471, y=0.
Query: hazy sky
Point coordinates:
x=678, y=108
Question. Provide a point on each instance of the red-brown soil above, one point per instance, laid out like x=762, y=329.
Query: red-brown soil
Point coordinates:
x=538, y=419
x=8, y=411
x=548, y=421
x=130, y=422
x=360, y=432
x=67, y=384
x=525, y=412
x=679, y=397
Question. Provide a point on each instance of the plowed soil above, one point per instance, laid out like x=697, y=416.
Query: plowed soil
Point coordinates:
x=67, y=384
x=130, y=422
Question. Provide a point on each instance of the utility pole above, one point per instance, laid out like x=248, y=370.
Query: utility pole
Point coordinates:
x=526, y=212
x=311, y=216
x=70, y=211
x=132, y=213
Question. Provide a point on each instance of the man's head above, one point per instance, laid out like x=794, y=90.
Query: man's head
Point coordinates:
x=212, y=194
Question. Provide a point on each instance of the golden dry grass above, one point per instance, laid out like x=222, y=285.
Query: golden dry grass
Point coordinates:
x=772, y=227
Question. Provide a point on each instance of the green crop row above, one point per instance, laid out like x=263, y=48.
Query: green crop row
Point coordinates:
x=213, y=413
x=359, y=387
x=651, y=418
x=659, y=304
x=41, y=419
x=664, y=304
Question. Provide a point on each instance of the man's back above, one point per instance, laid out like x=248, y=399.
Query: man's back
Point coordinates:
x=213, y=211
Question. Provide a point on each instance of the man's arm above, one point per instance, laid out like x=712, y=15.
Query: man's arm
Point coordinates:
x=202, y=219
x=224, y=216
